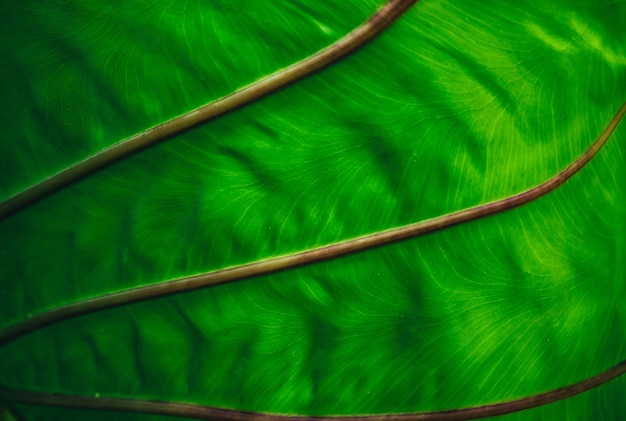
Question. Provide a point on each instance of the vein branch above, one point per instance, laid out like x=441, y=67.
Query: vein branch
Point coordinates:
x=306, y=257
x=212, y=413
x=358, y=37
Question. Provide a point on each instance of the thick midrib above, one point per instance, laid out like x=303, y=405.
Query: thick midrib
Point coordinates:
x=375, y=25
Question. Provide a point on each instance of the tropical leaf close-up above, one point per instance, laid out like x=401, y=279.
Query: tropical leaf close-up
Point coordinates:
x=312, y=210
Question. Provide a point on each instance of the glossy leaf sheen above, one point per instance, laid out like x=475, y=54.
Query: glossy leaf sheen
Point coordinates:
x=459, y=103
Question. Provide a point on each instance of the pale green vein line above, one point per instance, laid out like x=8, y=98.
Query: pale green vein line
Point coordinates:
x=211, y=413
x=375, y=25
x=267, y=266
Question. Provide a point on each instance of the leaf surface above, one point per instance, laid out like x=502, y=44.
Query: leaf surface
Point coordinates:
x=457, y=104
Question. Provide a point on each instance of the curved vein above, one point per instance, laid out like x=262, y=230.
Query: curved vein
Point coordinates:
x=375, y=25
x=342, y=248
x=211, y=413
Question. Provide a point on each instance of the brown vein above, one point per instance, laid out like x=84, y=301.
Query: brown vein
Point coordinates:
x=342, y=248
x=375, y=25
x=211, y=413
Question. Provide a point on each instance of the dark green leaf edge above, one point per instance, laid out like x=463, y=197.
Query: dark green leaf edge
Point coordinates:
x=291, y=261
x=358, y=37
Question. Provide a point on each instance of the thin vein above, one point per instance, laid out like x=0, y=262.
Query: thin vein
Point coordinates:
x=375, y=25
x=212, y=413
x=331, y=251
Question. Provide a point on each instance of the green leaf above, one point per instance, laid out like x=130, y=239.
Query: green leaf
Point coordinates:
x=456, y=105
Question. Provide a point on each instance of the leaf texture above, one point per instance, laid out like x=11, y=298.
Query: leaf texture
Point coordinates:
x=457, y=104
